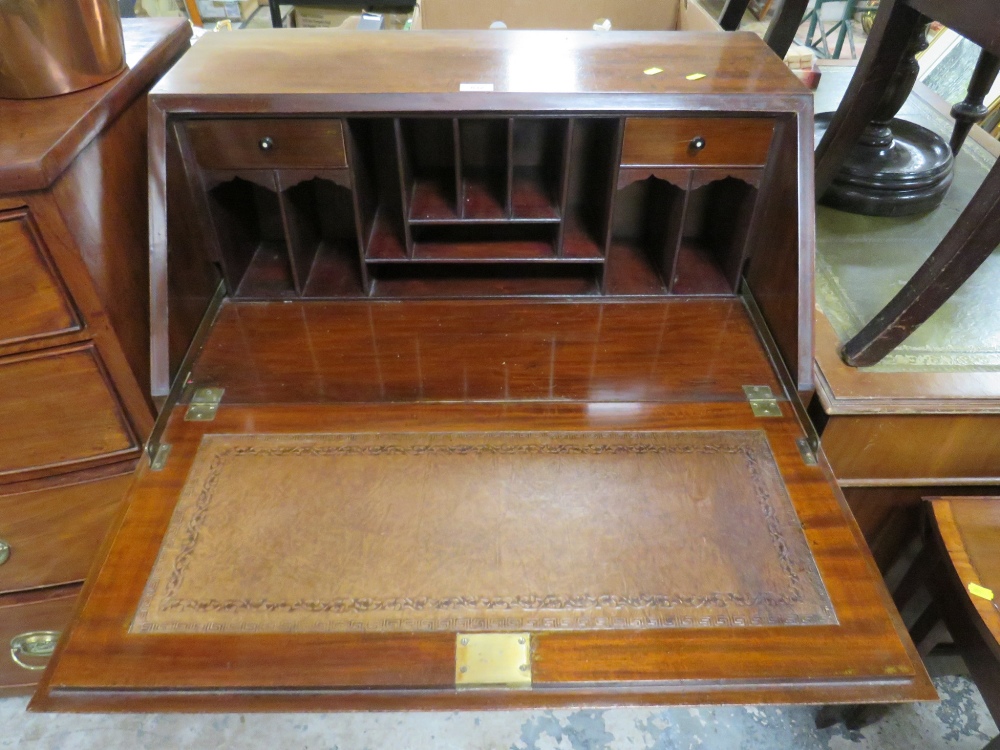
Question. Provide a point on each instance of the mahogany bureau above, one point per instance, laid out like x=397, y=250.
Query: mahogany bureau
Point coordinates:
x=478, y=356
x=74, y=376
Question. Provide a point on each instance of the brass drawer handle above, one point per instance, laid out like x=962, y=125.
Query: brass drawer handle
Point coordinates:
x=4, y=551
x=36, y=644
x=697, y=144
x=266, y=143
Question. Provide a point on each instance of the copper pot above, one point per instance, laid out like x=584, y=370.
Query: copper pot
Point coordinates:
x=51, y=47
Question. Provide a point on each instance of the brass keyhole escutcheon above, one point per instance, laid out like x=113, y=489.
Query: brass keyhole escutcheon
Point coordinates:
x=36, y=644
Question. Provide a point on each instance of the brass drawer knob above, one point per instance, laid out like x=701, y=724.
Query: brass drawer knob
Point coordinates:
x=266, y=143
x=697, y=144
x=4, y=551
x=36, y=644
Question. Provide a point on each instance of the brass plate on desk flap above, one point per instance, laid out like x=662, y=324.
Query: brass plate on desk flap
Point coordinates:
x=493, y=660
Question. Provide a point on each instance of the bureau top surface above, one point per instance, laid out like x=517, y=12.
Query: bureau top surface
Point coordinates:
x=312, y=69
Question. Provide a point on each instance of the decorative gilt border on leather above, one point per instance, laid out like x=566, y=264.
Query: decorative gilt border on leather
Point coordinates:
x=554, y=612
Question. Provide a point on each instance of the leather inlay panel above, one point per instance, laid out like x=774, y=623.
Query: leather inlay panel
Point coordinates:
x=484, y=531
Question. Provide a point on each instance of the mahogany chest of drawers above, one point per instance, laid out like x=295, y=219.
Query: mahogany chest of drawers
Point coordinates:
x=75, y=408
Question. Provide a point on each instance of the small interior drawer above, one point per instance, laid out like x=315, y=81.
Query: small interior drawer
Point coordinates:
x=29, y=625
x=49, y=536
x=34, y=303
x=268, y=143
x=59, y=410
x=690, y=140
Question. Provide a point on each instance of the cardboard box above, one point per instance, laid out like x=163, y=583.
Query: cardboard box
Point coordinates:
x=234, y=10
x=310, y=17
x=625, y=15
x=261, y=18
x=240, y=10
x=158, y=9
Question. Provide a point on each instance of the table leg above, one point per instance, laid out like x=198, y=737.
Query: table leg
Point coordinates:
x=732, y=14
x=968, y=243
x=781, y=31
x=967, y=113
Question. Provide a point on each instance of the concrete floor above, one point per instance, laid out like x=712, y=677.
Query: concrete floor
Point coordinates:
x=959, y=722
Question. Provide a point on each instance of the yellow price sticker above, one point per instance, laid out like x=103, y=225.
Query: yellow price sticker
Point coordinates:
x=695, y=76
x=981, y=591
x=652, y=71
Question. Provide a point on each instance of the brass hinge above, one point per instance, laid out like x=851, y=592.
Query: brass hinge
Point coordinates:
x=807, y=452
x=493, y=660
x=204, y=404
x=762, y=401
x=159, y=458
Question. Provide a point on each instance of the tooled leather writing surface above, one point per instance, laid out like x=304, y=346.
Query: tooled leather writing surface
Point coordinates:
x=488, y=531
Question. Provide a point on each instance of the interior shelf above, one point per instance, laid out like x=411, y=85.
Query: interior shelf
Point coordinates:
x=539, y=158
x=688, y=226
x=503, y=242
x=484, y=147
x=433, y=199
x=268, y=274
x=530, y=198
x=578, y=243
x=384, y=243
x=697, y=271
x=485, y=280
x=481, y=206
x=275, y=227
x=335, y=272
x=482, y=196
x=427, y=152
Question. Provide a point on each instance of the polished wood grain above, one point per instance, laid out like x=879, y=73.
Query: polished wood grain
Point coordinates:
x=733, y=140
x=963, y=538
x=414, y=670
x=54, y=532
x=48, y=609
x=574, y=63
x=411, y=669
x=620, y=352
x=41, y=137
x=500, y=198
x=75, y=403
x=236, y=144
x=59, y=412
x=969, y=528
x=36, y=302
x=782, y=283
x=890, y=516
x=905, y=428
x=109, y=230
x=923, y=449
